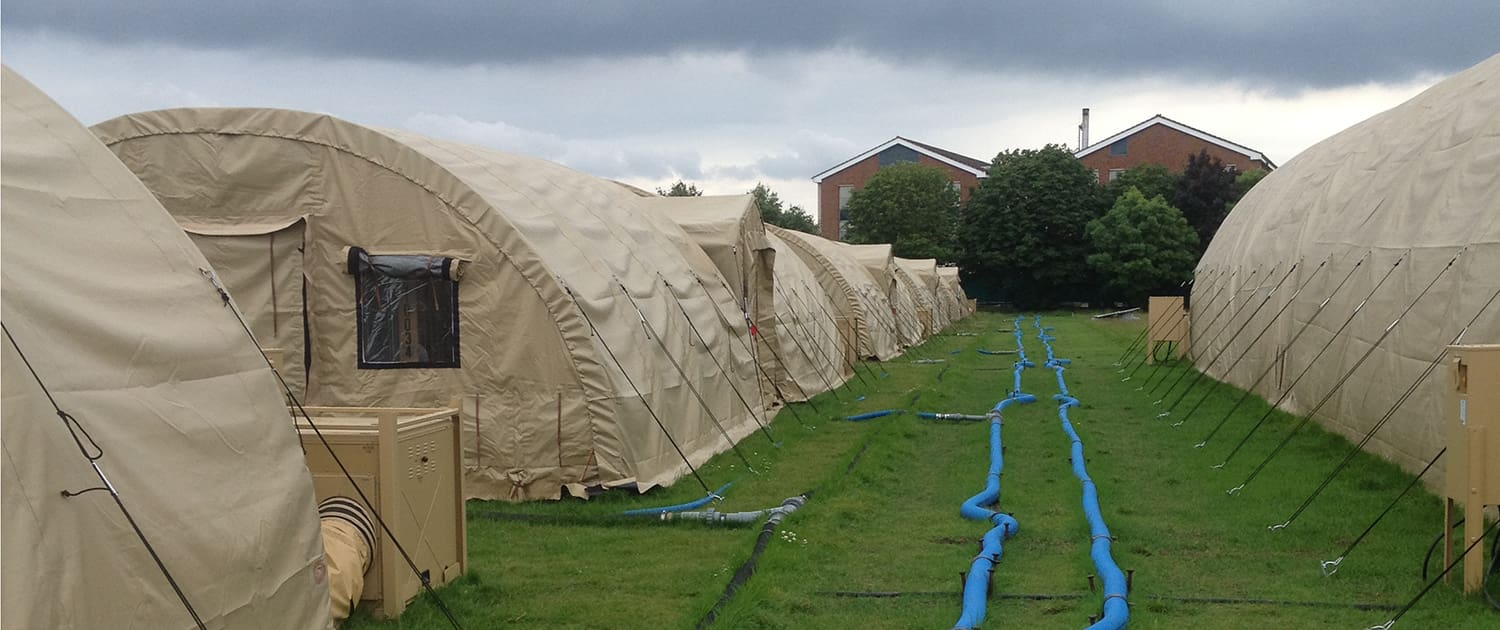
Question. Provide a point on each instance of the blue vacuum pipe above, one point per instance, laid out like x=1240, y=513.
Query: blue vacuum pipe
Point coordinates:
x=681, y=507
x=976, y=583
x=1116, y=610
x=873, y=415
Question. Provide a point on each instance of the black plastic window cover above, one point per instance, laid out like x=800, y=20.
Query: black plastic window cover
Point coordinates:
x=406, y=308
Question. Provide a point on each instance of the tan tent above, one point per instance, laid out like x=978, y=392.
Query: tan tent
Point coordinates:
x=924, y=270
x=878, y=260
x=107, y=301
x=436, y=271
x=729, y=231
x=922, y=298
x=949, y=275
x=809, y=343
x=864, y=310
x=950, y=293
x=1420, y=181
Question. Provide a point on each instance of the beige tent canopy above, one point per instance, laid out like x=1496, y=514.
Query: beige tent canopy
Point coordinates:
x=435, y=271
x=106, y=300
x=728, y=230
x=924, y=270
x=1419, y=183
x=864, y=310
x=950, y=293
x=922, y=297
x=808, y=341
x=878, y=260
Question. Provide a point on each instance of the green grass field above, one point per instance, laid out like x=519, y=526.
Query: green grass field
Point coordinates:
x=890, y=524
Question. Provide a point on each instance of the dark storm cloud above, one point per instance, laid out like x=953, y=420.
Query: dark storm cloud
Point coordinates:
x=1280, y=43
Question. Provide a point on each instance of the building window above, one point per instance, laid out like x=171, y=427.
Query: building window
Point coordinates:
x=1232, y=168
x=406, y=310
x=1115, y=173
x=846, y=192
x=1120, y=147
x=954, y=186
x=896, y=154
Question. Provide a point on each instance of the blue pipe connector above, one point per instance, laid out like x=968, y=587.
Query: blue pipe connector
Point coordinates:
x=681, y=507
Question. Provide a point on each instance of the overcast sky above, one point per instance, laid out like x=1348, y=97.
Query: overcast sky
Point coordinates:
x=725, y=94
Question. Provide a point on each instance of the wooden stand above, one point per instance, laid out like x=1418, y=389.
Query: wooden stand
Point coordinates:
x=1167, y=324
x=1472, y=425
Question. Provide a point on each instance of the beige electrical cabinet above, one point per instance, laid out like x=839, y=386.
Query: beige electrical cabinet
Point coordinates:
x=1472, y=463
x=1167, y=323
x=408, y=464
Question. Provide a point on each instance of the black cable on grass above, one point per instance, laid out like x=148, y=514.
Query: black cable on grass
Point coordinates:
x=1330, y=567
x=92, y=453
x=735, y=388
x=686, y=380
x=1389, y=413
x=1199, y=350
x=1307, y=369
x=1340, y=383
x=1439, y=578
x=1272, y=364
x=1223, y=307
x=423, y=577
x=1193, y=361
x=1252, y=345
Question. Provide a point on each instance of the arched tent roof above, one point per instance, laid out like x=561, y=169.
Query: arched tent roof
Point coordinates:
x=1419, y=183
x=878, y=260
x=812, y=350
x=104, y=297
x=922, y=298
x=548, y=255
x=864, y=305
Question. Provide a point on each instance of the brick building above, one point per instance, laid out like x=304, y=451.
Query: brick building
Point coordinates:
x=837, y=184
x=1161, y=140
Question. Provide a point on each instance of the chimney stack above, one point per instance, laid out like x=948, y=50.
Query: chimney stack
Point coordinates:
x=1083, y=130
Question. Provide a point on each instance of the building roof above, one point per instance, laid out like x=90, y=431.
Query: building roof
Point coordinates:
x=1168, y=122
x=979, y=168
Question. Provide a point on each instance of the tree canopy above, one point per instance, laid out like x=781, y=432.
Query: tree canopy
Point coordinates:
x=914, y=207
x=1024, y=227
x=1153, y=180
x=1204, y=193
x=1141, y=247
x=772, y=212
x=680, y=189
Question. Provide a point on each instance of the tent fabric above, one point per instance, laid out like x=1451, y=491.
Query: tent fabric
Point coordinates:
x=922, y=298
x=951, y=294
x=729, y=231
x=864, y=307
x=810, y=347
x=136, y=344
x=1418, y=181
x=878, y=260
x=549, y=256
x=924, y=270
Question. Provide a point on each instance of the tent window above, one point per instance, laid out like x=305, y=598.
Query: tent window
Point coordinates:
x=407, y=310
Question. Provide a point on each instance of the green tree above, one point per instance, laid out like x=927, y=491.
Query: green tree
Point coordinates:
x=914, y=207
x=1023, y=236
x=1141, y=247
x=1245, y=181
x=1203, y=195
x=680, y=189
x=1153, y=180
x=771, y=211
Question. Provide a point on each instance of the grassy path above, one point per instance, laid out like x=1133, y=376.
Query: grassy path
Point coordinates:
x=891, y=525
